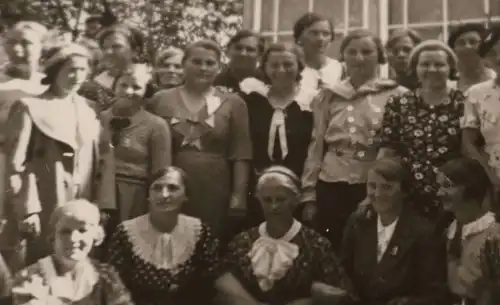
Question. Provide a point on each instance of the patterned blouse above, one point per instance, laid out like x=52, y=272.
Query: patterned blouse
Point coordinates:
x=482, y=113
x=315, y=262
x=100, y=91
x=162, y=268
x=425, y=136
x=93, y=284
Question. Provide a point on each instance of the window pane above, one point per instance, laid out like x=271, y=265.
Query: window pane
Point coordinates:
x=267, y=16
x=333, y=50
x=288, y=39
x=333, y=9
x=495, y=8
x=462, y=9
x=289, y=12
x=395, y=11
x=425, y=11
x=355, y=13
x=430, y=32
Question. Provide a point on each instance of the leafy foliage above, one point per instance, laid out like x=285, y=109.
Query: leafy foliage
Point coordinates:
x=164, y=22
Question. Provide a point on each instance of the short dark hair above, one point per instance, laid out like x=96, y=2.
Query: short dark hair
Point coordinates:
x=306, y=21
x=391, y=169
x=490, y=41
x=164, y=171
x=133, y=35
x=362, y=33
x=400, y=34
x=242, y=34
x=465, y=28
x=282, y=47
x=470, y=174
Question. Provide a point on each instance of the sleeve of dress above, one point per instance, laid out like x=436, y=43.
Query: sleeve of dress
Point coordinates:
x=471, y=117
x=114, y=291
x=240, y=145
x=389, y=134
x=212, y=259
x=115, y=247
x=316, y=150
x=328, y=269
x=25, y=197
x=161, y=146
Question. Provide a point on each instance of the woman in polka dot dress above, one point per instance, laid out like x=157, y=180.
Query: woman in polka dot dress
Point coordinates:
x=164, y=257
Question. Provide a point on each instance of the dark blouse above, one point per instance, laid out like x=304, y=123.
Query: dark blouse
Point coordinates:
x=316, y=262
x=190, y=284
x=426, y=137
x=298, y=124
x=226, y=79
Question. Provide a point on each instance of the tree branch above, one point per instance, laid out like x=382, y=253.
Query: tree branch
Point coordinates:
x=60, y=8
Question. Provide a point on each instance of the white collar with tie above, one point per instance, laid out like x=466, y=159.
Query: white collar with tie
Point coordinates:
x=303, y=97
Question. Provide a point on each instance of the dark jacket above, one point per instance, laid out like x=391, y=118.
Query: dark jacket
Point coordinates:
x=413, y=266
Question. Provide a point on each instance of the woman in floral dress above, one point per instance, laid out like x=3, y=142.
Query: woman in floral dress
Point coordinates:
x=423, y=126
x=277, y=262
x=211, y=138
x=68, y=276
x=121, y=45
x=165, y=257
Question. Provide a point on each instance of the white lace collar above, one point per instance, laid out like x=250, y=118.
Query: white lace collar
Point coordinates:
x=271, y=258
x=303, y=98
x=164, y=250
x=477, y=226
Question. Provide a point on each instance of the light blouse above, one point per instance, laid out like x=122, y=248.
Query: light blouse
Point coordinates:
x=482, y=112
x=346, y=121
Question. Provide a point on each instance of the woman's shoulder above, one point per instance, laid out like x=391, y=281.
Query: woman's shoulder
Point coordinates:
x=162, y=98
x=154, y=120
x=479, y=92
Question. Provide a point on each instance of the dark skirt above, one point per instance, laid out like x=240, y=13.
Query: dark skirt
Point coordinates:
x=335, y=202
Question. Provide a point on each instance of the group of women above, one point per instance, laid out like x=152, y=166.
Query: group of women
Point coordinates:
x=285, y=177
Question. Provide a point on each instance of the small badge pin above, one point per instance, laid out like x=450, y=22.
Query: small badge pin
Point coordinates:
x=394, y=251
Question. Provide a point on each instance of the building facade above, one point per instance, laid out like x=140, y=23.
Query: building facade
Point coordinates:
x=431, y=18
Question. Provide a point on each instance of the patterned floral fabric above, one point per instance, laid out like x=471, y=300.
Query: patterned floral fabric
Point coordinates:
x=425, y=136
x=32, y=281
x=149, y=284
x=315, y=262
x=99, y=91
